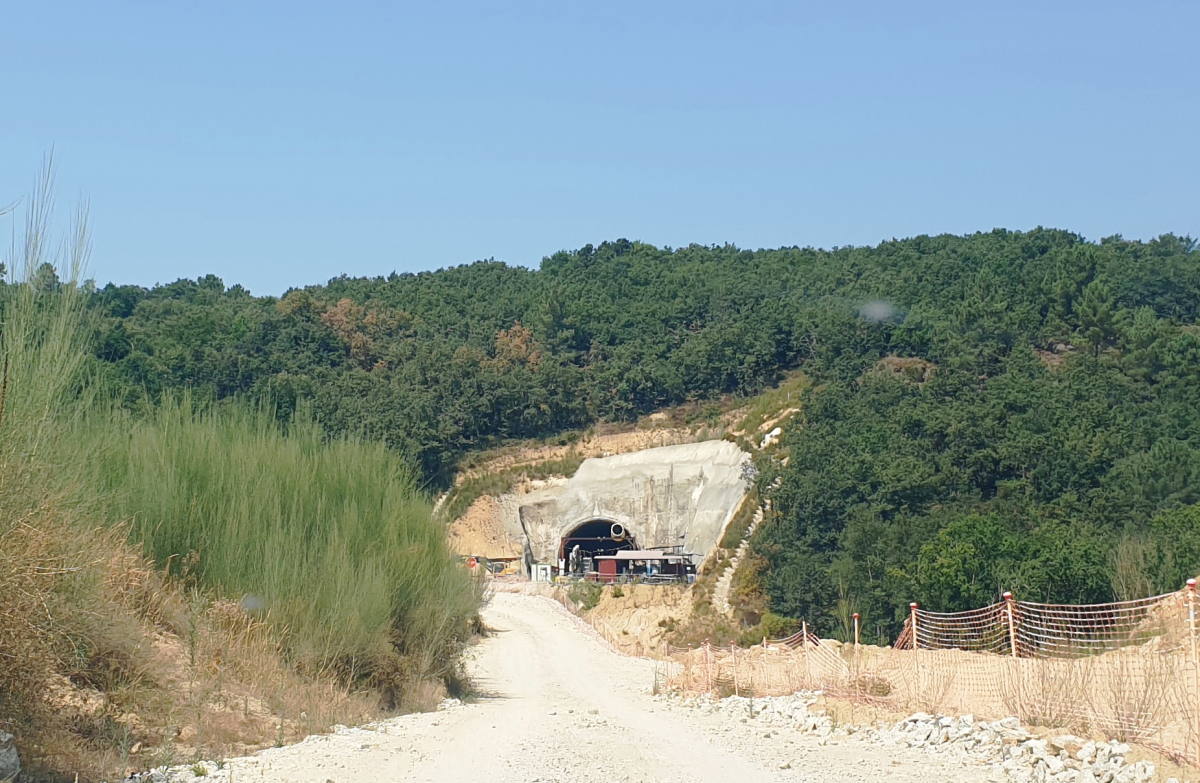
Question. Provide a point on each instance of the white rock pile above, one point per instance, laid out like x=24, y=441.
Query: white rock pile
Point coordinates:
x=1024, y=758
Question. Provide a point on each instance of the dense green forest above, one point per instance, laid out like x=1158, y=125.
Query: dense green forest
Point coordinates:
x=1047, y=441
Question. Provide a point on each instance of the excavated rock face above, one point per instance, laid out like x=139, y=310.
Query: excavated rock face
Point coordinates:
x=667, y=496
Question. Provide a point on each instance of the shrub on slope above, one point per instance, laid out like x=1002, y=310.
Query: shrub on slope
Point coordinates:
x=329, y=540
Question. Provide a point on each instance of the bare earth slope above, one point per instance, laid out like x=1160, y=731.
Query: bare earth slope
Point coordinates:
x=561, y=706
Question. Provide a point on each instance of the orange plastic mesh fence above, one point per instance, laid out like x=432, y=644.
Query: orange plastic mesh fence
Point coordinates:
x=1126, y=669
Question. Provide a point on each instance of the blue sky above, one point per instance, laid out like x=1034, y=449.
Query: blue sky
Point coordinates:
x=282, y=144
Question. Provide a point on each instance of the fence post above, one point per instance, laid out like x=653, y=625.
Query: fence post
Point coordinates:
x=733, y=660
x=1012, y=643
x=1012, y=624
x=912, y=611
x=661, y=660
x=807, y=666
x=708, y=665
x=763, y=668
x=1191, y=583
x=856, y=673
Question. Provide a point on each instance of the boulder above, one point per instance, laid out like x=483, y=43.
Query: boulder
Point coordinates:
x=10, y=762
x=1070, y=743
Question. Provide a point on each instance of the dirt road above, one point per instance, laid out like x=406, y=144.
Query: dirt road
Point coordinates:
x=559, y=706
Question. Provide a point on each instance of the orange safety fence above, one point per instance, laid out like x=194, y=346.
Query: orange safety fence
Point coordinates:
x=1128, y=670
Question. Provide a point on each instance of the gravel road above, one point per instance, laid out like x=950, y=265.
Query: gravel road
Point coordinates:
x=558, y=705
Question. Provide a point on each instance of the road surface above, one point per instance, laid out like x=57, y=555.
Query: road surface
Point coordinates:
x=558, y=705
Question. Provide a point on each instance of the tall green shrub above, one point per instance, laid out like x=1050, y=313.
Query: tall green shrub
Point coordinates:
x=331, y=540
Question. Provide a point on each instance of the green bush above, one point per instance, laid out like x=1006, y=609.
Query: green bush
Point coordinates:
x=585, y=593
x=771, y=626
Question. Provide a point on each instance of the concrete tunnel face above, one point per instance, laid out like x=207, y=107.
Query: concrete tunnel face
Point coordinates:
x=669, y=497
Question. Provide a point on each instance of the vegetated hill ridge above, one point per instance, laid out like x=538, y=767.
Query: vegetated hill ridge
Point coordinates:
x=992, y=464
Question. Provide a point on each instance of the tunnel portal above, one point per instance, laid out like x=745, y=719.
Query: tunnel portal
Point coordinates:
x=674, y=499
x=593, y=537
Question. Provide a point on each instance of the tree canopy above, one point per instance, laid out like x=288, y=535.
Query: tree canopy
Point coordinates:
x=1003, y=410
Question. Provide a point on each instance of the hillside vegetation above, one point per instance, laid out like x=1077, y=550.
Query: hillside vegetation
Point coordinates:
x=328, y=537
x=184, y=579
x=1002, y=410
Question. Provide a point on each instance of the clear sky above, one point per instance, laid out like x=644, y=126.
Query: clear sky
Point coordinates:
x=281, y=144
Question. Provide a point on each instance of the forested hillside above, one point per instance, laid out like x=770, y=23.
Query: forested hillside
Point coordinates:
x=1047, y=441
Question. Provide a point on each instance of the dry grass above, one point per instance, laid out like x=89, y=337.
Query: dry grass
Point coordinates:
x=110, y=669
x=71, y=625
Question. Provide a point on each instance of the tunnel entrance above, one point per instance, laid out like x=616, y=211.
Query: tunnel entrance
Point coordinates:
x=595, y=537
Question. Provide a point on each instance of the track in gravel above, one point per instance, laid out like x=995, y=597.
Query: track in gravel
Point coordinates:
x=560, y=706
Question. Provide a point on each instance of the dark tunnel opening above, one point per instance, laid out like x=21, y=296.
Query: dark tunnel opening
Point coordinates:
x=594, y=537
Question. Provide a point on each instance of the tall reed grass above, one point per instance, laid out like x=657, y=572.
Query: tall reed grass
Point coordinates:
x=330, y=540
x=76, y=600
x=327, y=543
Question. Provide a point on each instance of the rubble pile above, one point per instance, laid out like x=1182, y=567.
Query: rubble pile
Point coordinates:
x=1023, y=757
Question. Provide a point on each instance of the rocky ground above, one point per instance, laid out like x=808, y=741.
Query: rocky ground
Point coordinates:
x=558, y=705
x=1003, y=749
